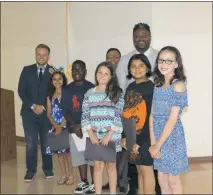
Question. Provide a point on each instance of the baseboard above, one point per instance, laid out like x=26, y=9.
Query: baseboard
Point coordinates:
x=202, y=159
x=192, y=160
x=20, y=139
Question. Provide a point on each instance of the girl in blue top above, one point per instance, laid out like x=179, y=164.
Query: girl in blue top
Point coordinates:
x=168, y=146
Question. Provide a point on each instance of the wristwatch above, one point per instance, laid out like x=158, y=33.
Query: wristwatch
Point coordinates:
x=33, y=106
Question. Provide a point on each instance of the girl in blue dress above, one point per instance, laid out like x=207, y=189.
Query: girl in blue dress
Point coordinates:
x=168, y=146
x=56, y=118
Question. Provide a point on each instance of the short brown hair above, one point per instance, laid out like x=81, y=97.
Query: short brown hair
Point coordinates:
x=43, y=46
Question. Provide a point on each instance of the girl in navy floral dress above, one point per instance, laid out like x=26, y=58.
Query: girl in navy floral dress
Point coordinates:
x=56, y=118
x=166, y=130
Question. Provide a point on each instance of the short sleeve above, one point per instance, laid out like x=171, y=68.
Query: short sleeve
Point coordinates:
x=180, y=99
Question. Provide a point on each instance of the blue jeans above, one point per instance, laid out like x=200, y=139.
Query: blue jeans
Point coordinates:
x=34, y=126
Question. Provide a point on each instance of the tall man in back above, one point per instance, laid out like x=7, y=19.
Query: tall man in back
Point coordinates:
x=142, y=41
x=33, y=90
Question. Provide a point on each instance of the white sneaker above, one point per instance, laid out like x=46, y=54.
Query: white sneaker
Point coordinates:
x=82, y=187
x=91, y=189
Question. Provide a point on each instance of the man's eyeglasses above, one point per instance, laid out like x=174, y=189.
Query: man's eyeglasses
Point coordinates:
x=161, y=61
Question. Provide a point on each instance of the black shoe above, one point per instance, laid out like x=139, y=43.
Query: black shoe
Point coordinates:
x=29, y=177
x=124, y=189
x=82, y=187
x=49, y=175
x=90, y=190
x=105, y=187
x=133, y=191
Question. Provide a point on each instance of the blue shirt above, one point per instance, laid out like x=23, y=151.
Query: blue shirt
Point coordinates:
x=72, y=99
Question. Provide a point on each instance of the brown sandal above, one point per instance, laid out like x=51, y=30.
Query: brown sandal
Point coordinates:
x=70, y=181
x=62, y=180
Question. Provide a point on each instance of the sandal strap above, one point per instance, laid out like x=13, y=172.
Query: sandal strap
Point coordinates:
x=62, y=180
x=70, y=180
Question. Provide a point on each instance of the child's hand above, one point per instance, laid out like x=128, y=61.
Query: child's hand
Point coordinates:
x=58, y=130
x=105, y=140
x=154, y=150
x=93, y=137
x=134, y=156
x=63, y=123
x=158, y=155
x=76, y=128
x=79, y=133
x=135, y=148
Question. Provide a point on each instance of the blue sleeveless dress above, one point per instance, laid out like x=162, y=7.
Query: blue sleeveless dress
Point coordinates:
x=174, y=158
x=57, y=115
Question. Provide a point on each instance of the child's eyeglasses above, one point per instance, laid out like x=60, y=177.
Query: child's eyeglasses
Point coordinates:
x=169, y=62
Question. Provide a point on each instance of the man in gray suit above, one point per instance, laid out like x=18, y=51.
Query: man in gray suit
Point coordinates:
x=141, y=39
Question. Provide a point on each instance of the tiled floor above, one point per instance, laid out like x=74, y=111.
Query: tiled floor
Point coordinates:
x=197, y=181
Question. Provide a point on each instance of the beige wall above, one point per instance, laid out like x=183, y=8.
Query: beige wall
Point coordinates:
x=98, y=26
x=24, y=25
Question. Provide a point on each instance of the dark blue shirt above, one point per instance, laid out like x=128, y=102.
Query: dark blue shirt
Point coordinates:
x=71, y=102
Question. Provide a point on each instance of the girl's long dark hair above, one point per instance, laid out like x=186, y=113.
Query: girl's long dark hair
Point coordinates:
x=113, y=91
x=159, y=79
x=52, y=87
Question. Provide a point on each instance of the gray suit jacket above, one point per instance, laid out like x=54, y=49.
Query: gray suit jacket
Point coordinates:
x=122, y=69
